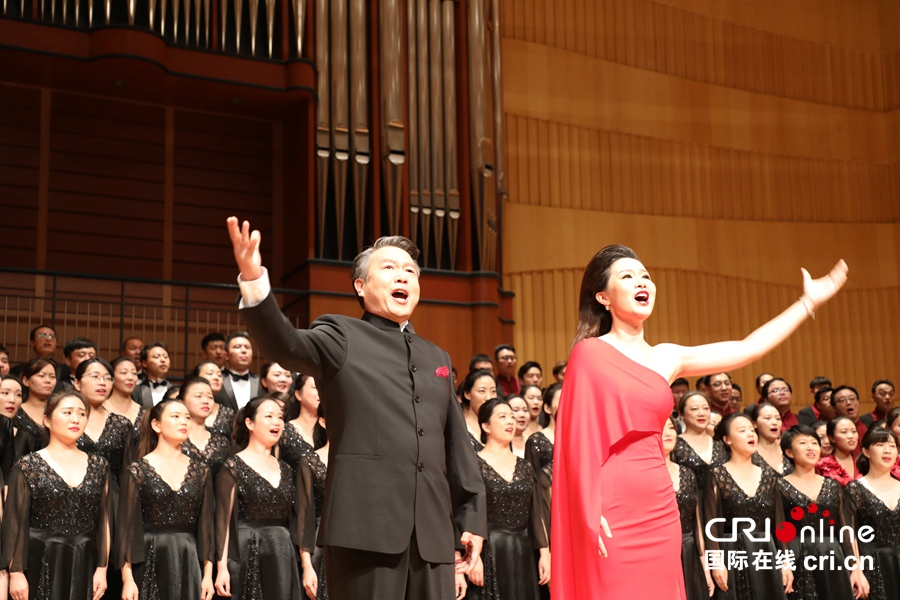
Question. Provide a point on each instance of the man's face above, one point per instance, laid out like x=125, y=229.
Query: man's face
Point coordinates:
x=4, y=363
x=562, y=375
x=79, y=356
x=215, y=351
x=240, y=354
x=44, y=342
x=847, y=404
x=157, y=363
x=133, y=349
x=719, y=390
x=506, y=363
x=884, y=397
x=826, y=410
x=486, y=365
x=391, y=287
x=736, y=398
x=678, y=391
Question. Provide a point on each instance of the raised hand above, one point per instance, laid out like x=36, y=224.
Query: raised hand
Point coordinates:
x=819, y=291
x=246, y=249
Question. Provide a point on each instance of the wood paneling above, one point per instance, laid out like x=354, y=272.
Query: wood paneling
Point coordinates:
x=20, y=124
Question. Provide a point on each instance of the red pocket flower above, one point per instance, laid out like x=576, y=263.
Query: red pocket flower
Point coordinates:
x=442, y=372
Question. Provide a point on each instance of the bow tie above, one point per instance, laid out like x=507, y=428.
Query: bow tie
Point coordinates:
x=236, y=377
x=157, y=384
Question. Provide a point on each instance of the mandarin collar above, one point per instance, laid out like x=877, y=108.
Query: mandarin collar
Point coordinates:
x=385, y=324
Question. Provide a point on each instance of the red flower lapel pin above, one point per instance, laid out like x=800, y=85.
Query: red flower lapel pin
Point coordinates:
x=442, y=372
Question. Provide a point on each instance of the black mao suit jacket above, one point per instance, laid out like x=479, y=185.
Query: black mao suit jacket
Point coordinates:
x=400, y=456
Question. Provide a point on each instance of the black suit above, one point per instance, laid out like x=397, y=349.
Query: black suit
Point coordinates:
x=225, y=396
x=870, y=418
x=806, y=416
x=402, y=476
x=143, y=393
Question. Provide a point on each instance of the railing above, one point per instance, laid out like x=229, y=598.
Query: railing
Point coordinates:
x=109, y=310
x=252, y=27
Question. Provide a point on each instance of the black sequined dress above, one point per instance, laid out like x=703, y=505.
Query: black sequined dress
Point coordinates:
x=213, y=455
x=787, y=467
x=259, y=527
x=688, y=497
x=539, y=452
x=724, y=499
x=114, y=444
x=317, y=470
x=515, y=531
x=7, y=447
x=476, y=444
x=861, y=508
x=166, y=534
x=684, y=455
x=816, y=583
x=30, y=437
x=223, y=424
x=293, y=446
x=57, y=534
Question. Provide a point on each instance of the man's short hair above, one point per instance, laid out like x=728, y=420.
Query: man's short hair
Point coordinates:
x=735, y=386
x=212, y=337
x=883, y=382
x=477, y=359
x=235, y=335
x=502, y=347
x=529, y=365
x=821, y=393
x=145, y=352
x=360, y=267
x=3, y=350
x=78, y=344
x=125, y=343
x=681, y=381
x=35, y=330
x=709, y=377
x=558, y=367
x=819, y=381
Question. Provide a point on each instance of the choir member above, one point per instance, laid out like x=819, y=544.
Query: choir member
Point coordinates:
x=273, y=378
x=534, y=399
x=478, y=387
x=126, y=378
x=239, y=385
x=521, y=415
x=695, y=449
x=298, y=438
x=221, y=418
x=39, y=378
x=767, y=420
x=539, y=450
x=841, y=464
x=155, y=364
x=212, y=348
x=313, y=563
x=10, y=402
x=209, y=448
x=821, y=429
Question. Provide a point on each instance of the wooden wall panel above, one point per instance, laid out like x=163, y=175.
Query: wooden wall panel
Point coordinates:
x=20, y=116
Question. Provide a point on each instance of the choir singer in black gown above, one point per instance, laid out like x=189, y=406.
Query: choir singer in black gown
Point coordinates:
x=403, y=489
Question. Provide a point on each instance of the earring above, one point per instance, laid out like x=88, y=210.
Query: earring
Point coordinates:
x=606, y=306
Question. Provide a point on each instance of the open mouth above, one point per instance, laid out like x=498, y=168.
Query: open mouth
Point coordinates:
x=510, y=430
x=751, y=443
x=275, y=431
x=400, y=295
x=642, y=297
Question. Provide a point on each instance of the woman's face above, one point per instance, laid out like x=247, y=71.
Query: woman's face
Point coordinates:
x=174, y=423
x=278, y=379
x=714, y=420
x=882, y=455
x=267, y=424
x=805, y=451
x=198, y=400
x=768, y=423
x=484, y=389
x=308, y=396
x=520, y=414
x=68, y=420
x=95, y=385
x=741, y=437
x=845, y=438
x=669, y=437
x=554, y=404
x=213, y=374
x=125, y=377
x=696, y=413
x=532, y=376
x=629, y=292
x=535, y=401
x=895, y=426
x=502, y=425
x=824, y=440
x=41, y=384
x=10, y=398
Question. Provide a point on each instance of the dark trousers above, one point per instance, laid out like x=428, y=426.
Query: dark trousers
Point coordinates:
x=362, y=575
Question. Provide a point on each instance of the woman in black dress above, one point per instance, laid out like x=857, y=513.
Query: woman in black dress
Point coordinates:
x=39, y=376
x=874, y=501
x=695, y=449
x=56, y=522
x=221, y=418
x=767, y=420
x=801, y=489
x=478, y=387
x=534, y=398
x=698, y=583
x=741, y=489
x=539, y=450
x=506, y=568
x=209, y=448
x=261, y=515
x=125, y=379
x=298, y=439
x=313, y=564
x=165, y=531
x=10, y=402
x=106, y=433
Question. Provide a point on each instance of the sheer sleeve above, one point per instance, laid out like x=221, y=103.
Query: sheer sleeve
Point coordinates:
x=543, y=480
x=15, y=529
x=712, y=509
x=7, y=447
x=303, y=519
x=206, y=525
x=226, y=519
x=540, y=534
x=105, y=522
x=847, y=545
x=848, y=513
x=129, y=534
x=24, y=443
x=779, y=517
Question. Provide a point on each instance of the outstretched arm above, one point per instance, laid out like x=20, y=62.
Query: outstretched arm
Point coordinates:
x=724, y=356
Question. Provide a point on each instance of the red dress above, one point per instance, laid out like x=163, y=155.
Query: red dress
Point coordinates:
x=608, y=459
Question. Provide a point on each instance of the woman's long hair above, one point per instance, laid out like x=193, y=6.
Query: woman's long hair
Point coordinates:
x=593, y=319
x=149, y=438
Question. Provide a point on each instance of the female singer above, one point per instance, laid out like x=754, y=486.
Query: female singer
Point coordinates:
x=698, y=583
x=313, y=563
x=221, y=418
x=821, y=429
x=610, y=475
x=10, y=402
x=105, y=433
x=125, y=378
x=695, y=449
x=539, y=450
x=534, y=398
x=874, y=500
x=799, y=490
x=767, y=421
x=521, y=416
x=740, y=488
x=714, y=420
x=39, y=376
x=165, y=533
x=273, y=378
x=209, y=448
x=298, y=438
x=478, y=387
x=258, y=506
x=841, y=466
x=507, y=568
x=56, y=522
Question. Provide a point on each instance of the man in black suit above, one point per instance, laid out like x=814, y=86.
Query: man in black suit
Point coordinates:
x=820, y=409
x=403, y=482
x=239, y=385
x=155, y=361
x=883, y=393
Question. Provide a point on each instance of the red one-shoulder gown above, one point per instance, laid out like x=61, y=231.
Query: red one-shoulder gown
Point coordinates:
x=608, y=460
